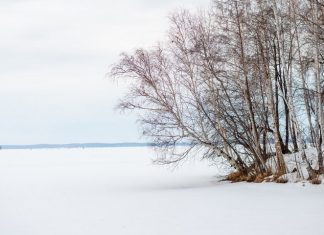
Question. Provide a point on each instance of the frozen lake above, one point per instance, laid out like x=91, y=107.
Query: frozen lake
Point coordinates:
x=119, y=191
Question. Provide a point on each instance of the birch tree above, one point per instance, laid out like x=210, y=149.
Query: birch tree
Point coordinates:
x=227, y=83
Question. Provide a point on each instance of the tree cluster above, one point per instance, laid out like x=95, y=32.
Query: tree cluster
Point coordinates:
x=242, y=81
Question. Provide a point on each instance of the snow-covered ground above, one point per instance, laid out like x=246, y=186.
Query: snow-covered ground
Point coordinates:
x=118, y=191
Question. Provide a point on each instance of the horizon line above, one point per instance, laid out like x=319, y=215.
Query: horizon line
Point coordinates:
x=82, y=145
x=75, y=145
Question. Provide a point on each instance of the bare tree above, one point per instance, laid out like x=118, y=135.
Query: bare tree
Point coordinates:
x=225, y=83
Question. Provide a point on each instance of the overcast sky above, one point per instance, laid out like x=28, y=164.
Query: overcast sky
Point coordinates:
x=54, y=55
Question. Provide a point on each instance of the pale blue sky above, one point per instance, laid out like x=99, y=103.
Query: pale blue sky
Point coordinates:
x=54, y=57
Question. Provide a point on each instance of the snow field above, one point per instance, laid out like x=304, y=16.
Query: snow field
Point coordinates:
x=118, y=191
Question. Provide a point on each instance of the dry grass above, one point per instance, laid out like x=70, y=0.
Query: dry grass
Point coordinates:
x=237, y=176
x=250, y=178
x=315, y=181
x=259, y=178
x=263, y=177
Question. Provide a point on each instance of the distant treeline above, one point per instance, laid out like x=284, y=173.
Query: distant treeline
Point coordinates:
x=80, y=145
